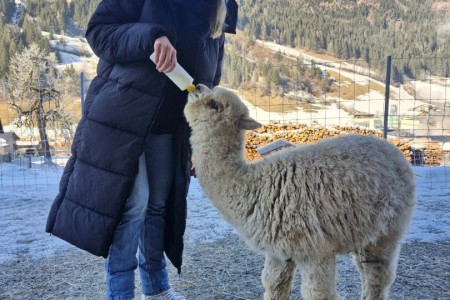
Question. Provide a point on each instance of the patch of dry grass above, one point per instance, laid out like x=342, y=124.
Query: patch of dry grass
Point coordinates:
x=224, y=269
x=72, y=106
x=347, y=89
x=6, y=113
x=322, y=56
x=270, y=103
x=309, y=107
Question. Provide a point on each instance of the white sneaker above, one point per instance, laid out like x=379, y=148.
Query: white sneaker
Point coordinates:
x=167, y=295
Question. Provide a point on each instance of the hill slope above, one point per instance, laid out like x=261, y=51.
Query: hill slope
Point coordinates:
x=357, y=29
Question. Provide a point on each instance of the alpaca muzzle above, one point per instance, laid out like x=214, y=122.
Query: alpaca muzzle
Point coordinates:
x=198, y=91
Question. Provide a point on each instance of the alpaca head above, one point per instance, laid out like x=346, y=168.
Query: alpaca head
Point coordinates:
x=217, y=109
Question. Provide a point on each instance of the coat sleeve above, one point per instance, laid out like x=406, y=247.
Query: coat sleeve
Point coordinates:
x=229, y=27
x=231, y=17
x=218, y=74
x=115, y=34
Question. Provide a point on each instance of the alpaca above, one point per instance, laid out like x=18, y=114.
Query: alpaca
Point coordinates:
x=303, y=206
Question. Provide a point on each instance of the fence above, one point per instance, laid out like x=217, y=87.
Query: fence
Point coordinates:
x=351, y=96
x=300, y=102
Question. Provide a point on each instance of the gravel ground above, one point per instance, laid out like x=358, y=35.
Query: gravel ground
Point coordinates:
x=224, y=269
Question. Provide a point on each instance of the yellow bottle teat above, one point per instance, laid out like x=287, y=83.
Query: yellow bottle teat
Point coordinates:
x=190, y=88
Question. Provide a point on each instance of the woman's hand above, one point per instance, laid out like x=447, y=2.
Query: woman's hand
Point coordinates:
x=165, y=55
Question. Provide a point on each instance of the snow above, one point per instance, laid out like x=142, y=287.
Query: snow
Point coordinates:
x=433, y=89
x=74, y=51
x=325, y=115
x=26, y=195
x=373, y=102
x=19, y=6
x=69, y=59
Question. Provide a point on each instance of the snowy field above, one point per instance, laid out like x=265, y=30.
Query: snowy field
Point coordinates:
x=27, y=193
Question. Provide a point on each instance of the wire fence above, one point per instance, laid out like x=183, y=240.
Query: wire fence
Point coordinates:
x=299, y=102
x=325, y=98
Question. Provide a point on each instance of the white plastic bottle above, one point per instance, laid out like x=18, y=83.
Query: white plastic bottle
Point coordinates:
x=180, y=77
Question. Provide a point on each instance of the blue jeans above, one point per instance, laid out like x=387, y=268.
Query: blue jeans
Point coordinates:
x=142, y=226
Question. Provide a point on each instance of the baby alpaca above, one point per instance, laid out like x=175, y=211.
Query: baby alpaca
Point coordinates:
x=305, y=205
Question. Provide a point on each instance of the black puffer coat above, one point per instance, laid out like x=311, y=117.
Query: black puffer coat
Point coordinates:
x=120, y=108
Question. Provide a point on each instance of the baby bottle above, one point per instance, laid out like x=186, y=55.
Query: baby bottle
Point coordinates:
x=179, y=76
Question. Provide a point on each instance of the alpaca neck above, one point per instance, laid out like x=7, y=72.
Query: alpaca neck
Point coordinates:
x=219, y=155
x=223, y=174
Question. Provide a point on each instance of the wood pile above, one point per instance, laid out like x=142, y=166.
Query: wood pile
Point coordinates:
x=302, y=134
x=426, y=152
x=432, y=154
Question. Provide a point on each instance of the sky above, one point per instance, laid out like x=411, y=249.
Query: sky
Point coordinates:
x=26, y=195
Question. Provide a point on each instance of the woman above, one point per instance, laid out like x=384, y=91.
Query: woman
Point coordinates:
x=124, y=188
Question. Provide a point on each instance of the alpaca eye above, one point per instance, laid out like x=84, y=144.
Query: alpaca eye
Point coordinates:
x=213, y=104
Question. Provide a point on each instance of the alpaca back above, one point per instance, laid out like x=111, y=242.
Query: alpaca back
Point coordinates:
x=333, y=196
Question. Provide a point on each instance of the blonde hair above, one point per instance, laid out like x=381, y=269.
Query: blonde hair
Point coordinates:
x=219, y=20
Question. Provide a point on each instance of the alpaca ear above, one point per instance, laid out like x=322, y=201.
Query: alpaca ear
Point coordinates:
x=248, y=123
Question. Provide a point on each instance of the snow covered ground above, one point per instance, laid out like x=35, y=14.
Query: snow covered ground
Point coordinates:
x=27, y=193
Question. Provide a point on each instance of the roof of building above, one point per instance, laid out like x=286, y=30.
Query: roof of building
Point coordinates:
x=10, y=134
x=275, y=145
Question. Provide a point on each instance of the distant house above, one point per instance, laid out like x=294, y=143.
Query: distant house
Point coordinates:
x=409, y=123
x=4, y=154
x=425, y=108
x=8, y=144
x=365, y=120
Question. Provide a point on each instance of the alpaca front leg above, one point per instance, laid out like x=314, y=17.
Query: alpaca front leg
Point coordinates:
x=277, y=278
x=319, y=279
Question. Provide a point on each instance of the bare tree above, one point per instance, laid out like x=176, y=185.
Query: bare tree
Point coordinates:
x=33, y=93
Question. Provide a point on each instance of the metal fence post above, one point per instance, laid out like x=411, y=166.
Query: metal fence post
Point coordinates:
x=28, y=161
x=82, y=92
x=387, y=95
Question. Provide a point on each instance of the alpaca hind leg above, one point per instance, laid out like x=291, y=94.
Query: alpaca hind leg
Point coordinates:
x=319, y=279
x=277, y=278
x=377, y=265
